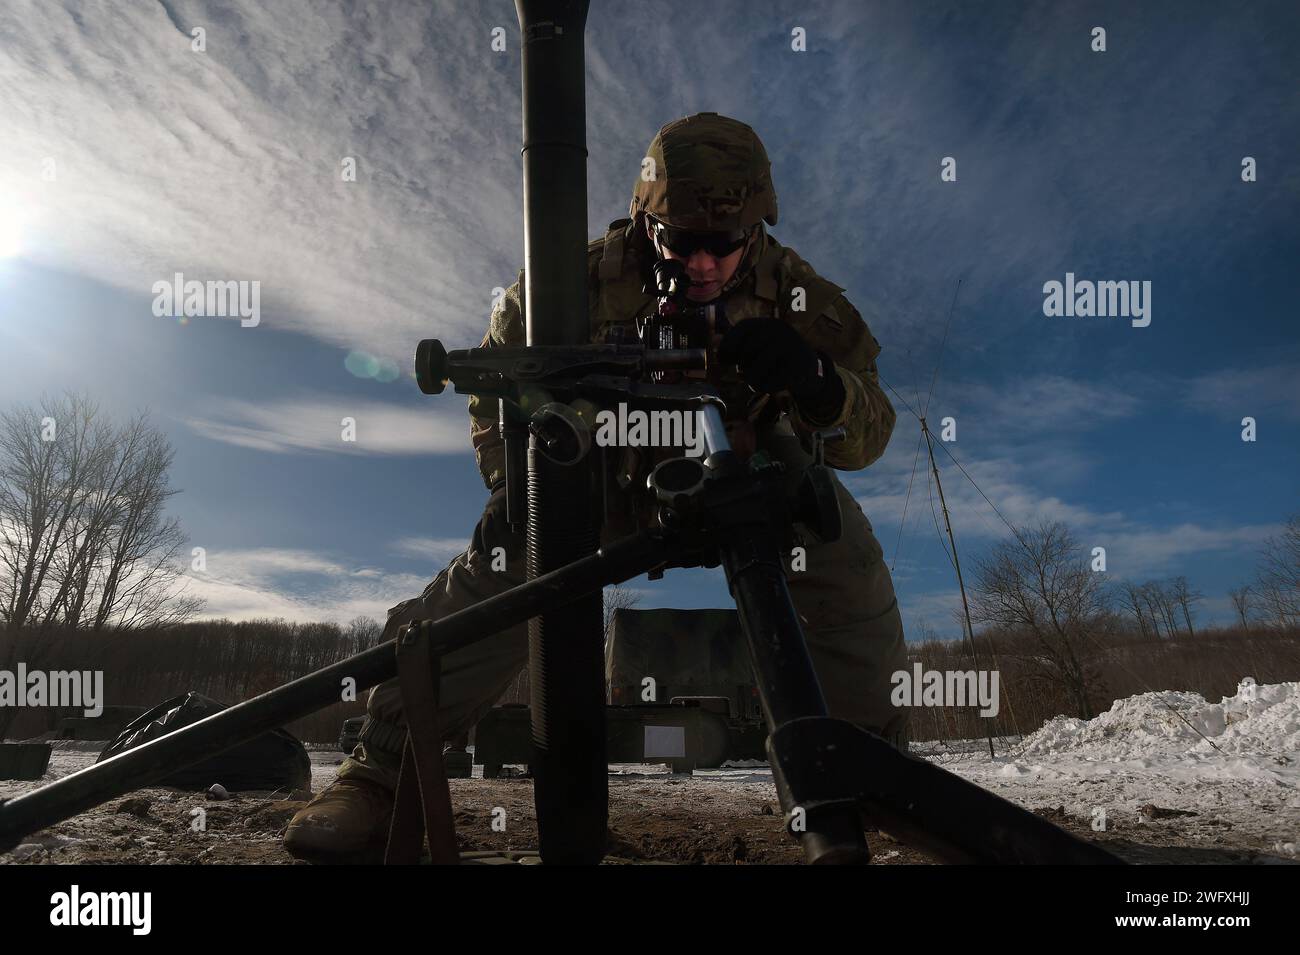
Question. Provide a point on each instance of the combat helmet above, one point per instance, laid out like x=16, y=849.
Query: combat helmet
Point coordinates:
x=706, y=173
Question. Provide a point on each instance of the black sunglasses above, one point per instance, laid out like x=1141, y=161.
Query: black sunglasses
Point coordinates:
x=686, y=243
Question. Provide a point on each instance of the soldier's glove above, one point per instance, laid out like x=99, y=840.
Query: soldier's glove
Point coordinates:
x=773, y=357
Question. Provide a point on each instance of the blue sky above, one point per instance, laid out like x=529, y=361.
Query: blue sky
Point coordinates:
x=225, y=165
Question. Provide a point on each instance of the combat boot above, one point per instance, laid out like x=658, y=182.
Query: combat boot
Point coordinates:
x=346, y=824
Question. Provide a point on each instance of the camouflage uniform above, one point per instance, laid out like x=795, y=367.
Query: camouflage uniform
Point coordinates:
x=845, y=596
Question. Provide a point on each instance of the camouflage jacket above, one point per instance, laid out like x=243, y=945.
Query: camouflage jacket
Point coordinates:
x=776, y=284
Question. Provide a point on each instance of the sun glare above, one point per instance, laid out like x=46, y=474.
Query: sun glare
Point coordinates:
x=13, y=215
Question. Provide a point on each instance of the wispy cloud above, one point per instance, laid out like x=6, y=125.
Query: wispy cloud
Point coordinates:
x=1137, y=551
x=440, y=550
x=303, y=585
x=227, y=163
x=1038, y=404
x=297, y=585
x=1235, y=393
x=936, y=611
x=1000, y=478
x=318, y=424
x=1135, y=546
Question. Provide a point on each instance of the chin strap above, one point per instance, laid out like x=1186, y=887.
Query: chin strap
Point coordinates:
x=748, y=260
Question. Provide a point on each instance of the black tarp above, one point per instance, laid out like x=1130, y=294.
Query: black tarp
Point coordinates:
x=274, y=760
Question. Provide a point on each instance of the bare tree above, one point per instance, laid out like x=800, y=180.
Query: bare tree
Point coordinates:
x=363, y=632
x=1042, y=585
x=1151, y=602
x=1278, y=586
x=1162, y=603
x=1240, y=602
x=616, y=598
x=140, y=572
x=1133, y=600
x=1158, y=604
x=1184, y=597
x=84, y=541
x=44, y=458
x=107, y=482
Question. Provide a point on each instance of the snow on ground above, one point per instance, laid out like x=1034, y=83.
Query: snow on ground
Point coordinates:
x=1229, y=771
x=1232, y=765
x=1166, y=769
x=1259, y=721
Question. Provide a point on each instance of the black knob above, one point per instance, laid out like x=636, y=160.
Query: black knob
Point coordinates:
x=431, y=366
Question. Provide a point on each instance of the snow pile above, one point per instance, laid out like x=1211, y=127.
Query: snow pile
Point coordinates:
x=1257, y=720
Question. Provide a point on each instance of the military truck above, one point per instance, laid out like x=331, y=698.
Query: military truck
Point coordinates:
x=103, y=727
x=680, y=691
x=350, y=733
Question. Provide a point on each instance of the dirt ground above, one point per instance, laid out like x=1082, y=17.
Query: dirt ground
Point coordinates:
x=728, y=817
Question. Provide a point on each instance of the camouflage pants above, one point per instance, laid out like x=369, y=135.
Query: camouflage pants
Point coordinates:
x=845, y=599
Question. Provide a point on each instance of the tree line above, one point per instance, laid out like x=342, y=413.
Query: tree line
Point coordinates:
x=1070, y=637
x=228, y=661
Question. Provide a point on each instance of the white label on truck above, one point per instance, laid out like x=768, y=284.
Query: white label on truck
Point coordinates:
x=665, y=742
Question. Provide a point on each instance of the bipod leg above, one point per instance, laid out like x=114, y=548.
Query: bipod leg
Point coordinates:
x=829, y=831
x=423, y=800
x=828, y=762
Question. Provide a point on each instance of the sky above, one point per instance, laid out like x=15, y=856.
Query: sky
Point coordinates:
x=129, y=156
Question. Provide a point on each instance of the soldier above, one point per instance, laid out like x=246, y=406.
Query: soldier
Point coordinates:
x=796, y=357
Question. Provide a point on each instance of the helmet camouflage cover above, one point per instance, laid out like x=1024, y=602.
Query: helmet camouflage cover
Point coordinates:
x=707, y=173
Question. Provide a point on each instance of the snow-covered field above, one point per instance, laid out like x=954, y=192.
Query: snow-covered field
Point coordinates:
x=1168, y=772
x=1233, y=766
